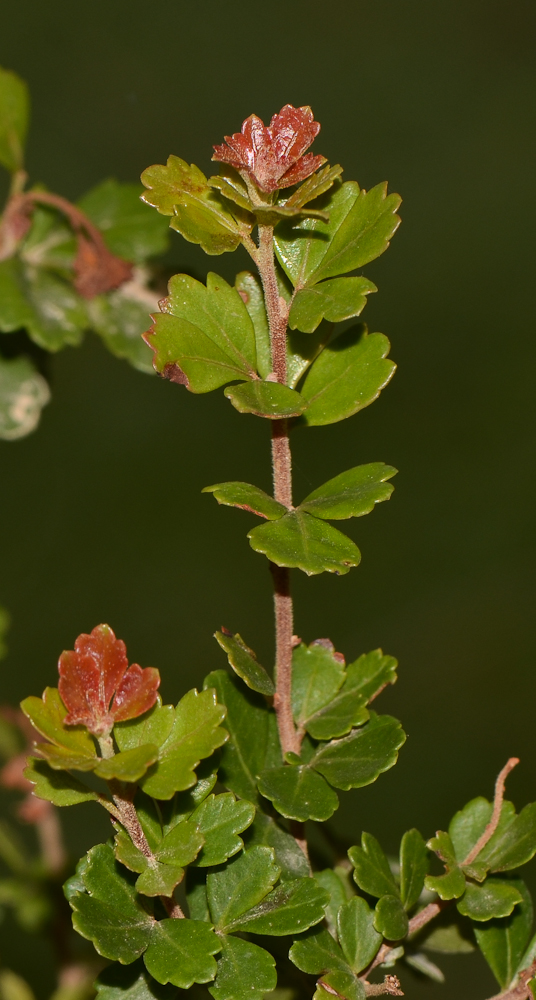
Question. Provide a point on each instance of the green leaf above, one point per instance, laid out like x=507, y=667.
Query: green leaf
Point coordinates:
x=153, y=726
x=245, y=664
x=334, y=300
x=352, y=493
x=248, y=723
x=298, y=792
x=44, y=303
x=245, y=971
x=196, y=894
x=108, y=914
x=55, y=786
x=249, y=288
x=242, y=884
x=348, y=375
x=220, y=818
x=317, y=674
x=496, y=898
x=181, y=952
x=195, y=734
x=204, y=337
x=423, y=965
x=14, y=119
x=182, y=805
x=449, y=886
x=47, y=714
x=230, y=184
x=447, y=941
x=468, y=825
x=503, y=942
x=359, y=229
x=23, y=394
x=358, y=937
x=315, y=185
x=513, y=844
x=199, y=214
x=249, y=498
x=359, y=759
x=121, y=318
x=443, y=847
x=334, y=885
x=265, y=831
x=127, y=853
x=413, y=867
x=130, y=229
x=316, y=952
x=182, y=844
x=370, y=673
x=372, y=872
x=390, y=918
x=300, y=540
x=266, y=399
x=159, y=879
x=346, y=710
x=131, y=982
x=342, y=984
x=62, y=759
x=130, y=765
x=289, y=909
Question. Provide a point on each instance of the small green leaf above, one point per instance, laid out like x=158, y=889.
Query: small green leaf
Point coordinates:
x=370, y=674
x=121, y=318
x=55, y=786
x=245, y=971
x=108, y=914
x=249, y=498
x=196, y=733
x=357, y=934
x=317, y=674
x=220, y=818
x=390, y=918
x=245, y=664
x=449, y=886
x=250, y=290
x=360, y=226
x=302, y=541
x=197, y=212
x=265, y=831
x=153, y=726
x=299, y=793
x=242, y=884
x=443, y=847
x=289, y=909
x=62, y=759
x=352, y=493
x=181, y=845
x=14, y=118
x=342, y=984
x=130, y=765
x=248, y=723
x=23, y=394
x=468, y=825
x=203, y=337
x=348, y=375
x=496, y=898
x=266, y=399
x=334, y=300
x=334, y=885
x=159, y=879
x=513, y=844
x=130, y=229
x=315, y=185
x=47, y=714
x=131, y=982
x=447, y=941
x=503, y=942
x=230, y=184
x=423, y=965
x=372, y=872
x=42, y=302
x=413, y=867
x=359, y=759
x=316, y=952
x=127, y=853
x=181, y=952
x=346, y=710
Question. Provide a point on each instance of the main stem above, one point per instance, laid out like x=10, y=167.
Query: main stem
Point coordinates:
x=277, y=312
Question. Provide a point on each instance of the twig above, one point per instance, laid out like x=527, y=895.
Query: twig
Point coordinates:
x=420, y=919
x=522, y=990
x=496, y=814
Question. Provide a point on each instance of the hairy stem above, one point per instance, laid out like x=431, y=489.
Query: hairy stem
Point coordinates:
x=277, y=312
x=496, y=813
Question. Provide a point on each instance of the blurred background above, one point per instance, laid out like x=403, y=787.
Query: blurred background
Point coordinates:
x=101, y=513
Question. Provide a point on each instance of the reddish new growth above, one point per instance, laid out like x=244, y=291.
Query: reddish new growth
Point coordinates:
x=272, y=155
x=96, y=671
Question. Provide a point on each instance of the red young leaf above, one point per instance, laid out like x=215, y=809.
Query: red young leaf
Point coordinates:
x=273, y=155
x=97, y=269
x=96, y=671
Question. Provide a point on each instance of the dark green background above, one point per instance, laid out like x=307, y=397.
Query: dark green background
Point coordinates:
x=101, y=515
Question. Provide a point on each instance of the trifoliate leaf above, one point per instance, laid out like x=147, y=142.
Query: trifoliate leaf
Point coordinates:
x=334, y=300
x=352, y=493
x=357, y=934
x=249, y=498
x=413, y=867
x=503, y=942
x=245, y=971
x=203, y=337
x=496, y=898
x=300, y=540
x=359, y=759
x=181, y=952
x=220, y=818
x=239, y=886
x=348, y=375
x=372, y=872
x=23, y=394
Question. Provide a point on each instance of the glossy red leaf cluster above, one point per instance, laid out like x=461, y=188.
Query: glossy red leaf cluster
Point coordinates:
x=98, y=687
x=273, y=155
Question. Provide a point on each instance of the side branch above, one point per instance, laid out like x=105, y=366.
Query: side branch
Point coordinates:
x=496, y=814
